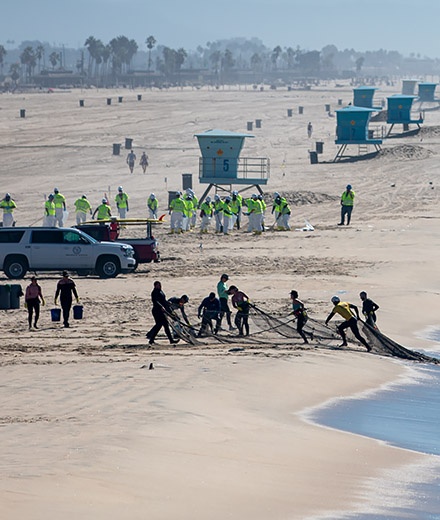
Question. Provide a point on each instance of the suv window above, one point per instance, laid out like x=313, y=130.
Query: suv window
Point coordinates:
x=47, y=236
x=71, y=237
x=12, y=236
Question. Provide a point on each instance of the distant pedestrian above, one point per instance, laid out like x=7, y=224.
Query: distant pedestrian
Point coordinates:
x=49, y=212
x=121, y=200
x=8, y=205
x=347, y=202
x=66, y=289
x=131, y=159
x=206, y=213
x=309, y=130
x=60, y=207
x=144, y=161
x=369, y=309
x=160, y=309
x=32, y=298
x=82, y=207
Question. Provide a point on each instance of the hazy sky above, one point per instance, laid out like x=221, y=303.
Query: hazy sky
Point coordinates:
x=403, y=25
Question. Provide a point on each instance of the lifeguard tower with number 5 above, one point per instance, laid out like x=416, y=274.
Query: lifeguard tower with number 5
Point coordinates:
x=221, y=164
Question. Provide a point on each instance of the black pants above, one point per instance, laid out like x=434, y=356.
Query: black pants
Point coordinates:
x=160, y=321
x=224, y=309
x=300, y=322
x=66, y=305
x=352, y=324
x=207, y=324
x=346, y=210
x=33, y=304
x=242, y=320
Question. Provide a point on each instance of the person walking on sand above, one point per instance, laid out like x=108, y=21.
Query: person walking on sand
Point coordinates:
x=103, y=211
x=240, y=301
x=347, y=201
x=60, y=207
x=160, y=309
x=369, y=309
x=65, y=289
x=309, y=129
x=49, y=212
x=222, y=291
x=32, y=298
x=121, y=200
x=82, y=207
x=8, y=205
x=144, y=161
x=131, y=159
x=300, y=313
x=344, y=309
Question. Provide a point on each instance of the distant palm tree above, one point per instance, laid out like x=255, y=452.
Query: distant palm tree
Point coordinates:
x=39, y=54
x=91, y=44
x=29, y=60
x=54, y=58
x=151, y=42
x=14, y=71
x=275, y=55
x=2, y=58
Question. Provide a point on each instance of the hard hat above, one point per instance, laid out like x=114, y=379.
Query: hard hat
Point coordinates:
x=152, y=196
x=51, y=196
x=254, y=196
x=335, y=299
x=178, y=193
x=348, y=186
x=56, y=190
x=8, y=196
x=120, y=188
x=208, y=199
x=228, y=199
x=235, y=192
x=84, y=196
x=104, y=201
x=216, y=197
x=276, y=194
x=260, y=197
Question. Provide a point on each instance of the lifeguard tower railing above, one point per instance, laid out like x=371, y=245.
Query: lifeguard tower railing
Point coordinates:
x=244, y=170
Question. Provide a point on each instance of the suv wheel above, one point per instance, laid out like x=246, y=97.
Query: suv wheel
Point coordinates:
x=15, y=267
x=108, y=267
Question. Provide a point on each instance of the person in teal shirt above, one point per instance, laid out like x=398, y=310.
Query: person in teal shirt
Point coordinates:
x=222, y=291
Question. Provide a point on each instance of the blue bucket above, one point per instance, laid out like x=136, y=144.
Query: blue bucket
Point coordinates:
x=78, y=312
x=55, y=314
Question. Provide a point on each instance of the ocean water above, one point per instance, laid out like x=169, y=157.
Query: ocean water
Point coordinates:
x=407, y=415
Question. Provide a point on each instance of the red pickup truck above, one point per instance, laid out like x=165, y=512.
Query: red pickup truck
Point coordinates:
x=145, y=249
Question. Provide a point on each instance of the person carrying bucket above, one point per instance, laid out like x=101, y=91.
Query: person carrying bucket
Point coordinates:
x=65, y=289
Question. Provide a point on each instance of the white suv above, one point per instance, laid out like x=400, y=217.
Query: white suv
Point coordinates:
x=53, y=249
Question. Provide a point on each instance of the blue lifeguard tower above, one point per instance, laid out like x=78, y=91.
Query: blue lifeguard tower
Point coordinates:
x=352, y=128
x=363, y=97
x=221, y=164
x=399, y=112
x=427, y=92
x=409, y=86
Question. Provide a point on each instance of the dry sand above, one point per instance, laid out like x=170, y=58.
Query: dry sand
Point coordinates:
x=88, y=431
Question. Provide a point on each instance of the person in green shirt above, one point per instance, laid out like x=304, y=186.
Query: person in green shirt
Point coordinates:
x=8, y=205
x=152, y=204
x=177, y=212
x=222, y=291
x=49, y=212
x=206, y=213
x=103, y=211
x=60, y=207
x=121, y=200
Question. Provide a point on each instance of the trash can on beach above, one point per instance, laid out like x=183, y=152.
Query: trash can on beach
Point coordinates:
x=78, y=312
x=187, y=182
x=16, y=294
x=55, y=314
x=116, y=148
x=128, y=143
x=313, y=158
x=5, y=297
x=319, y=146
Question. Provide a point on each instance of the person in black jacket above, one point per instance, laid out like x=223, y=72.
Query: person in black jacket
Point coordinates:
x=209, y=310
x=160, y=309
x=65, y=288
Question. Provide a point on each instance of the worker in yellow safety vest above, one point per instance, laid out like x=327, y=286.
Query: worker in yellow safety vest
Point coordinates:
x=152, y=205
x=49, y=212
x=82, y=207
x=206, y=212
x=347, y=202
x=121, y=200
x=103, y=211
x=60, y=207
x=8, y=205
x=177, y=211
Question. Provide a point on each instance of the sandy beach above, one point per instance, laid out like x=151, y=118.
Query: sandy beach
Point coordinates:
x=89, y=431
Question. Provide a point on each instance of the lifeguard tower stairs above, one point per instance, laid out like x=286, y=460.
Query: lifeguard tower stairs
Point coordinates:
x=399, y=112
x=221, y=165
x=352, y=129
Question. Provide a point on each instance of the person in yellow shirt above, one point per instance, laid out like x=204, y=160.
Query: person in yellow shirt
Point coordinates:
x=121, y=200
x=344, y=309
x=49, y=212
x=103, y=210
x=82, y=207
x=8, y=205
x=347, y=202
x=60, y=207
